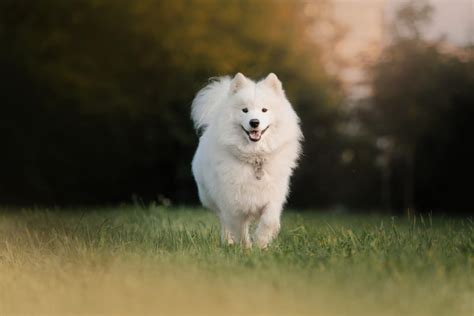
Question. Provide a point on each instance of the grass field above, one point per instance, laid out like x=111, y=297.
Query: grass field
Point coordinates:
x=153, y=260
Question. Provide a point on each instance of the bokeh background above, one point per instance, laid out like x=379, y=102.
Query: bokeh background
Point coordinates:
x=95, y=97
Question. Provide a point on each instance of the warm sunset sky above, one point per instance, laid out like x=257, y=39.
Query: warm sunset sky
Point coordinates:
x=365, y=22
x=455, y=18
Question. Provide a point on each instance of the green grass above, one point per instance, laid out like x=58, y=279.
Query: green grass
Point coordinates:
x=135, y=260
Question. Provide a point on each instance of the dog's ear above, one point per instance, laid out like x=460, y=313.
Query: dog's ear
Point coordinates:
x=273, y=82
x=238, y=83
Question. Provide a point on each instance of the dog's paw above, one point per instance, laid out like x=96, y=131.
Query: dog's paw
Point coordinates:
x=261, y=244
x=266, y=233
x=263, y=238
x=226, y=239
x=246, y=244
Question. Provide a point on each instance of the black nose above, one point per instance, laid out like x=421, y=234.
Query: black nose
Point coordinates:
x=254, y=123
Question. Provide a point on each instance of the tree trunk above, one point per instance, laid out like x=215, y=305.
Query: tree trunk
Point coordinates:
x=386, y=187
x=409, y=186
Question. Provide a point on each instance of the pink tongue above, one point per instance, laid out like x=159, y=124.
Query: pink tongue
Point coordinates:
x=255, y=135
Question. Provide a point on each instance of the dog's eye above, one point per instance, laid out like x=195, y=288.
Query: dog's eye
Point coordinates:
x=245, y=110
x=264, y=110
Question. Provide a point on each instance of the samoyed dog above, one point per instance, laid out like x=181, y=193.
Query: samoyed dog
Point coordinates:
x=249, y=146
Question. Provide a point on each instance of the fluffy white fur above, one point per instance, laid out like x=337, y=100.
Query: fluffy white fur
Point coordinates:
x=243, y=172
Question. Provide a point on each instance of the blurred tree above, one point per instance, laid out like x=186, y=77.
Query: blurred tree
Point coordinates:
x=416, y=90
x=411, y=19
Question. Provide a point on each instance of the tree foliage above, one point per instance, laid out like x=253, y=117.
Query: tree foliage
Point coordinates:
x=96, y=94
x=423, y=94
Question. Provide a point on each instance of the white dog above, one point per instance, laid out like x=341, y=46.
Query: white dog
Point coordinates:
x=249, y=147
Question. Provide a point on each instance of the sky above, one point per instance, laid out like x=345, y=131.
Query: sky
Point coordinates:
x=453, y=18
x=365, y=22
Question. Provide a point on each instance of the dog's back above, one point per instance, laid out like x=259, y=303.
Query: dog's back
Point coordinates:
x=207, y=101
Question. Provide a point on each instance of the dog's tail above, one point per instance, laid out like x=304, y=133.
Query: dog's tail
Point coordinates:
x=207, y=101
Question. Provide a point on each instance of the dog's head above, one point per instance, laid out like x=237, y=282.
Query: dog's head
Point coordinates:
x=256, y=118
x=258, y=109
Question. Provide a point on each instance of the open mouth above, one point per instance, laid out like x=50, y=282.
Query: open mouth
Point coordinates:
x=255, y=134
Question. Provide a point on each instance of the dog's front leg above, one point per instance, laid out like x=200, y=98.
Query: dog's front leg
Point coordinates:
x=226, y=235
x=245, y=239
x=268, y=226
x=235, y=229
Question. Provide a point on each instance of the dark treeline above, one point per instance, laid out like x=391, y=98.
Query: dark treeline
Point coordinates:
x=95, y=99
x=420, y=114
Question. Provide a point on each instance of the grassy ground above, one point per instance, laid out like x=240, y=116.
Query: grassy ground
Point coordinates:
x=153, y=260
